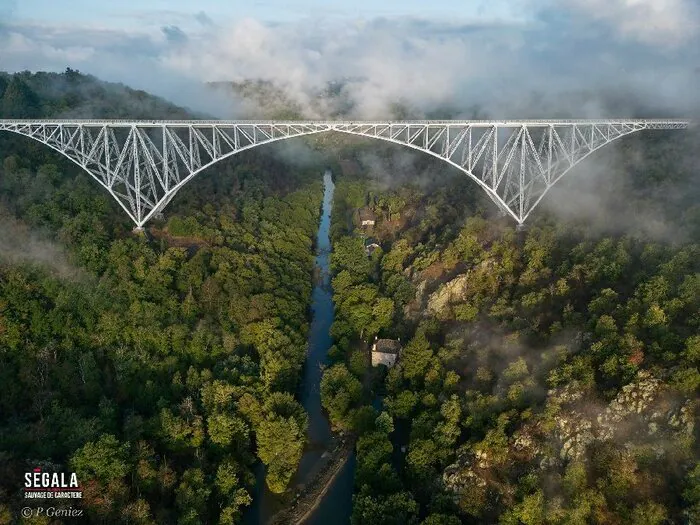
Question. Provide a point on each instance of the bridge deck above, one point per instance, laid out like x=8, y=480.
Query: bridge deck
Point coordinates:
x=144, y=163
x=657, y=123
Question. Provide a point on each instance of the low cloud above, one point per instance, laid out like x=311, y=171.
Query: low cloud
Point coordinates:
x=204, y=19
x=174, y=34
x=556, y=59
x=665, y=23
x=503, y=66
x=19, y=245
x=606, y=194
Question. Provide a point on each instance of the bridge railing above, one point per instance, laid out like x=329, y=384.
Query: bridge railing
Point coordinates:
x=656, y=123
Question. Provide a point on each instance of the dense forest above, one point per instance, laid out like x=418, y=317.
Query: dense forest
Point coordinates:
x=547, y=377
x=158, y=366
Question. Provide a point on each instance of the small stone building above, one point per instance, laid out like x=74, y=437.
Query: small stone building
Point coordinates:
x=367, y=217
x=370, y=246
x=385, y=352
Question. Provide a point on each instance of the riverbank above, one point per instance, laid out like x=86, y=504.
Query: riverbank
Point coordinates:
x=317, y=479
x=323, y=483
x=309, y=498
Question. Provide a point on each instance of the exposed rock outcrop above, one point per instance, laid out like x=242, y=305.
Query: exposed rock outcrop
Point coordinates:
x=644, y=413
x=449, y=293
x=634, y=398
x=575, y=433
x=461, y=477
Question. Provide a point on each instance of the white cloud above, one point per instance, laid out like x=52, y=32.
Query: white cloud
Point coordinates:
x=392, y=65
x=423, y=64
x=430, y=65
x=21, y=47
x=658, y=22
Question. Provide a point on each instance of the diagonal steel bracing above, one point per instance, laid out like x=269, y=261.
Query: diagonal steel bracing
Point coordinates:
x=143, y=164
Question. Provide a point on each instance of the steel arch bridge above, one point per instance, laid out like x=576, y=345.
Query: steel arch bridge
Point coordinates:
x=143, y=164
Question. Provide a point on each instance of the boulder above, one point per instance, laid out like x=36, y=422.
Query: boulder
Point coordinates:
x=634, y=399
x=575, y=433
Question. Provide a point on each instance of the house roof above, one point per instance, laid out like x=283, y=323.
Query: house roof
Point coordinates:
x=369, y=241
x=371, y=248
x=387, y=346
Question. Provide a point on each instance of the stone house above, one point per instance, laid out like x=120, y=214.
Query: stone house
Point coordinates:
x=370, y=246
x=385, y=352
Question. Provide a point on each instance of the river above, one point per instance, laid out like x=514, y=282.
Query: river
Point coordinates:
x=320, y=340
x=336, y=506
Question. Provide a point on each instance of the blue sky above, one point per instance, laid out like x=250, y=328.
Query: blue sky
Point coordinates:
x=424, y=53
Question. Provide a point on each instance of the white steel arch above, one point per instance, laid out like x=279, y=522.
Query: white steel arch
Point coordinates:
x=143, y=164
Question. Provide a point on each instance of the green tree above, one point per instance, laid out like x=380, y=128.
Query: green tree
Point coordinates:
x=340, y=392
x=104, y=459
x=224, y=428
x=19, y=100
x=229, y=486
x=281, y=434
x=416, y=357
x=649, y=513
x=191, y=497
x=395, y=509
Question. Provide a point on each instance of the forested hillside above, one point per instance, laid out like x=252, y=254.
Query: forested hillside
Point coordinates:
x=157, y=367
x=74, y=95
x=547, y=377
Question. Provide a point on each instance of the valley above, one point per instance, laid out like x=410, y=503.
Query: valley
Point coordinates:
x=199, y=371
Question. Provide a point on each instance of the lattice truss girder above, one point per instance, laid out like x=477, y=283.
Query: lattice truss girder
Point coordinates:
x=143, y=164
x=516, y=163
